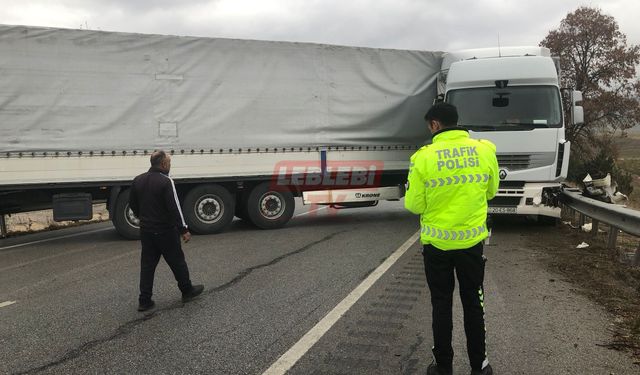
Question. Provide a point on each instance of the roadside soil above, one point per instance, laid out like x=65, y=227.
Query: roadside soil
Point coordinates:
x=605, y=276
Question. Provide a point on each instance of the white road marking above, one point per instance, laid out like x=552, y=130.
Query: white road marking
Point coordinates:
x=293, y=355
x=54, y=238
x=19, y=265
x=60, y=276
x=7, y=303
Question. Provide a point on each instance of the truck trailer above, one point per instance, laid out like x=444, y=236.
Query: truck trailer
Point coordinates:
x=249, y=124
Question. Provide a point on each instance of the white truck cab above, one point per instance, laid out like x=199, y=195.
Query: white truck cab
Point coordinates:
x=511, y=96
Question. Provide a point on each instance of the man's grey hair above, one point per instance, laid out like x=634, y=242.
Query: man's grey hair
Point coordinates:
x=157, y=157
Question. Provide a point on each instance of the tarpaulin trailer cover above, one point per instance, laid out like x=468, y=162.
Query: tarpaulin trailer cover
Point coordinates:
x=83, y=90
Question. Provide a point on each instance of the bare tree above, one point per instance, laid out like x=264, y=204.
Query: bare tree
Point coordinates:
x=597, y=61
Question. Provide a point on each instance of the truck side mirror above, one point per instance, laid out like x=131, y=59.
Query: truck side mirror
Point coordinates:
x=577, y=111
x=578, y=115
x=576, y=96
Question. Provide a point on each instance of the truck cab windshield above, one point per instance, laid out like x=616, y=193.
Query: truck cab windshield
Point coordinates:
x=509, y=108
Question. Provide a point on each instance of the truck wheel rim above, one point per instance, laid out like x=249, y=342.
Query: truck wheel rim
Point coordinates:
x=131, y=218
x=208, y=209
x=272, y=205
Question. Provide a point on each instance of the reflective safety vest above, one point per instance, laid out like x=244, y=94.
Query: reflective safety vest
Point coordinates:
x=449, y=184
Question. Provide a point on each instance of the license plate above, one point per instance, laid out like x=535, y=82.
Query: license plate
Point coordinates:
x=502, y=210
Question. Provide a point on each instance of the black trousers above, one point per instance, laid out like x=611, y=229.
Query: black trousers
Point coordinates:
x=468, y=265
x=167, y=245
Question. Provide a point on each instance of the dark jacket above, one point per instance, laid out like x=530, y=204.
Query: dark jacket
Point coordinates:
x=154, y=201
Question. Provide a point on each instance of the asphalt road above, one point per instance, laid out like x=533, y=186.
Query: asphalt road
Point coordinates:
x=75, y=294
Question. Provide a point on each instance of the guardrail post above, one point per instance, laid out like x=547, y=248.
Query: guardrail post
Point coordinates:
x=613, y=237
x=581, y=220
x=594, y=227
x=3, y=227
x=572, y=216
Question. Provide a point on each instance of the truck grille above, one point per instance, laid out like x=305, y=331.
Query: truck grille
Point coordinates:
x=514, y=162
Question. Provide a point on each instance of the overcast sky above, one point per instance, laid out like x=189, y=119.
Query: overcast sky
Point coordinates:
x=403, y=24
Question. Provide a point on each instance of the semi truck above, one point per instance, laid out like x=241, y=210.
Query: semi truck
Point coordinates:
x=253, y=124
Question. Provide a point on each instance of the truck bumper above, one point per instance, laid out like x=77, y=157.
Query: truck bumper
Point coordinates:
x=527, y=199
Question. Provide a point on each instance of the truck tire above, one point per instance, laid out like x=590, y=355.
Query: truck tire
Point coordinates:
x=208, y=209
x=126, y=223
x=268, y=208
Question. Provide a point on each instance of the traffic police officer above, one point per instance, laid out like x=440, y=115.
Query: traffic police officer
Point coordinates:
x=449, y=184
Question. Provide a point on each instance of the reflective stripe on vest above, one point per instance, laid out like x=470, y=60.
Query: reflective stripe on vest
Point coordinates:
x=458, y=179
x=444, y=234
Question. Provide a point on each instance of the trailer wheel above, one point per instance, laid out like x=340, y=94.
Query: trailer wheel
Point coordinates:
x=208, y=209
x=126, y=223
x=268, y=208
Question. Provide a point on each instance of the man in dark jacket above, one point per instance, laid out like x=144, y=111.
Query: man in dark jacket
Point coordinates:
x=154, y=201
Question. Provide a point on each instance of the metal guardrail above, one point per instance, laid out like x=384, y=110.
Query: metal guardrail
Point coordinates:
x=618, y=218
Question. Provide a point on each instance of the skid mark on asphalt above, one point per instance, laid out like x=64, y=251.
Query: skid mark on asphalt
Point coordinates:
x=247, y=271
x=77, y=352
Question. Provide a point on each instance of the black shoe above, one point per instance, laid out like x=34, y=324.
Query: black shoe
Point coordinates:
x=434, y=369
x=147, y=305
x=485, y=371
x=195, y=291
